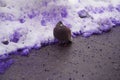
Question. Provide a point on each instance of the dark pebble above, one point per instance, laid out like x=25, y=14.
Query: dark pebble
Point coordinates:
x=5, y=42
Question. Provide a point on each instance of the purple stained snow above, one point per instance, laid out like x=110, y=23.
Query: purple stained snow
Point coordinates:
x=33, y=14
x=15, y=37
x=118, y=8
x=45, y=13
x=110, y=8
x=106, y=25
x=6, y=16
x=45, y=3
x=25, y=52
x=22, y=20
x=115, y=22
x=64, y=13
x=99, y=10
x=43, y=22
x=5, y=64
x=83, y=14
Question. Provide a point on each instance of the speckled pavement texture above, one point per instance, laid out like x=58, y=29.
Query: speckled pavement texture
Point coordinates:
x=93, y=58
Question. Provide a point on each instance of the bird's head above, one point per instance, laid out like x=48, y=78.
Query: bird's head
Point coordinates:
x=59, y=23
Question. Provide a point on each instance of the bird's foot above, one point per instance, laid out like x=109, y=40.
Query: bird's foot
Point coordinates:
x=65, y=44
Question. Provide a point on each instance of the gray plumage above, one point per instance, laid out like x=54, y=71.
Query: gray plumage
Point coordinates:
x=62, y=33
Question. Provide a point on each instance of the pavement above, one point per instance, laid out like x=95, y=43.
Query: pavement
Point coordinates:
x=93, y=58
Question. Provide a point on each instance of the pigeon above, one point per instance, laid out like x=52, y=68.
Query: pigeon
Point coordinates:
x=62, y=33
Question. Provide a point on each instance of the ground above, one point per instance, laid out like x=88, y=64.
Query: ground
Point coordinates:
x=93, y=58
